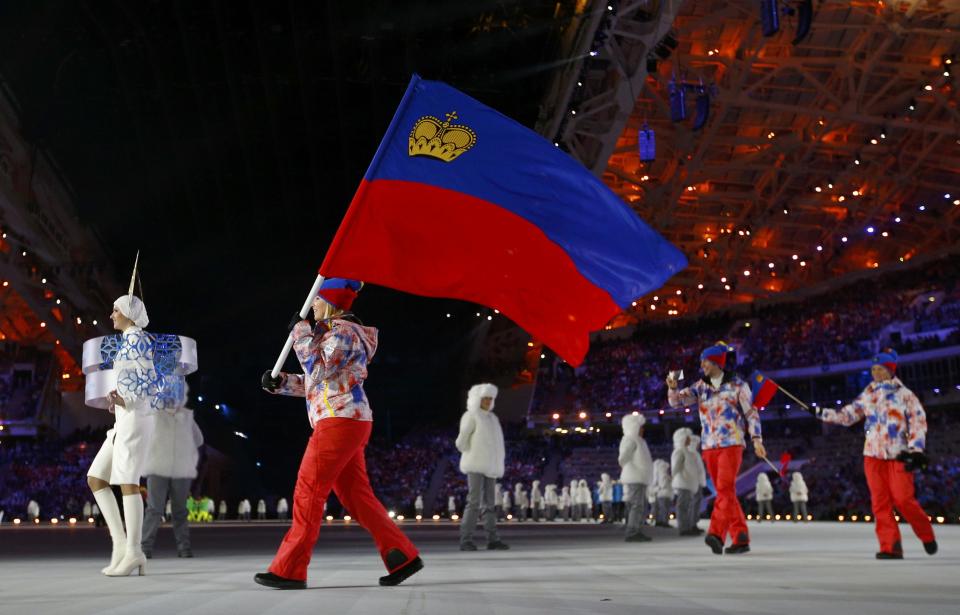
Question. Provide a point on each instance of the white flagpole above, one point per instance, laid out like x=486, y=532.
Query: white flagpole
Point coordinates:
x=303, y=314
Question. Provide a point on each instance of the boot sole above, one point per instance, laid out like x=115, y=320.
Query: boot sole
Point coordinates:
x=399, y=576
x=282, y=585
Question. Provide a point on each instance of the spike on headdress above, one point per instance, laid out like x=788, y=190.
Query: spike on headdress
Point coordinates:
x=133, y=276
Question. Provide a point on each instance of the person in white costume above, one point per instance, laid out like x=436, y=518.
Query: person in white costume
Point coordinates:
x=521, y=502
x=170, y=467
x=764, y=495
x=536, y=501
x=574, y=500
x=261, y=510
x=701, y=482
x=798, y=496
x=636, y=474
x=551, y=501
x=482, y=452
x=33, y=510
x=282, y=509
x=685, y=481
x=120, y=460
x=585, y=500
x=222, y=512
x=606, y=497
x=566, y=504
x=664, y=491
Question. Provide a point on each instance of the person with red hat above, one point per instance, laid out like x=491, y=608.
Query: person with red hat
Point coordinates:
x=896, y=431
x=334, y=354
x=724, y=400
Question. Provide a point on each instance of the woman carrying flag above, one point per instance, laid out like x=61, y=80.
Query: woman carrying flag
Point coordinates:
x=724, y=400
x=334, y=355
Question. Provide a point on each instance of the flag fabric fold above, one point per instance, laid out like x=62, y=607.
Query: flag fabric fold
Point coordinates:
x=462, y=202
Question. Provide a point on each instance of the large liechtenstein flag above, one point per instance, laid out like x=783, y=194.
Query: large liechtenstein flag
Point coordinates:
x=463, y=202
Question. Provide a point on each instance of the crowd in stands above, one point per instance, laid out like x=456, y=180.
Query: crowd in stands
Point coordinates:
x=843, y=325
x=53, y=473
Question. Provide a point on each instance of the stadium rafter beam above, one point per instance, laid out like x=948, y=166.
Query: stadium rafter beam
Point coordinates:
x=591, y=100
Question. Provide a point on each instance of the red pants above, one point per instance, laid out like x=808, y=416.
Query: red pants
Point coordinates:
x=723, y=464
x=334, y=460
x=891, y=485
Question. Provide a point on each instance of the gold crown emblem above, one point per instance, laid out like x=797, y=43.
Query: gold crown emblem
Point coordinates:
x=441, y=140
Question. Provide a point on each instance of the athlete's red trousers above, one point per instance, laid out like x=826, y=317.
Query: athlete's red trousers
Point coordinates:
x=334, y=460
x=723, y=464
x=891, y=485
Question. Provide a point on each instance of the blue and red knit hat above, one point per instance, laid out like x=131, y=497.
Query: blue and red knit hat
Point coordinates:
x=339, y=292
x=716, y=353
x=887, y=358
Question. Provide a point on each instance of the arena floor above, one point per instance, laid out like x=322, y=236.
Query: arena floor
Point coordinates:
x=817, y=568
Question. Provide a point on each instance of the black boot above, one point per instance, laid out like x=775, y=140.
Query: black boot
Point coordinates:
x=638, y=537
x=737, y=549
x=498, y=545
x=468, y=546
x=407, y=568
x=716, y=545
x=271, y=580
x=185, y=553
x=930, y=547
x=890, y=555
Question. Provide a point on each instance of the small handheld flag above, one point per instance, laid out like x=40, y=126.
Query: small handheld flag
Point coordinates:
x=763, y=389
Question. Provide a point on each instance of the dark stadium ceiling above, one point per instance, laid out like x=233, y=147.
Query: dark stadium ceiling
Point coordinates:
x=818, y=159
x=216, y=114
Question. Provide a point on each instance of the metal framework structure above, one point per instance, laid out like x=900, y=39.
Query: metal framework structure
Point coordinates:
x=819, y=159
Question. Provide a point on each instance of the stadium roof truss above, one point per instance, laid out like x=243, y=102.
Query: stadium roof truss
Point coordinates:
x=818, y=159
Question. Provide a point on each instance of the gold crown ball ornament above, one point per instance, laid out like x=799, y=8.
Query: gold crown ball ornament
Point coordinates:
x=441, y=140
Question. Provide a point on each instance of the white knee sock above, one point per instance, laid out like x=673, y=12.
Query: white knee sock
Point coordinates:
x=133, y=514
x=111, y=514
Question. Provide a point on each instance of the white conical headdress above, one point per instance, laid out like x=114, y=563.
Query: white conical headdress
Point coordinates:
x=130, y=305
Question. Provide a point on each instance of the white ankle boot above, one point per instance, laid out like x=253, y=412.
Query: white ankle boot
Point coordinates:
x=129, y=563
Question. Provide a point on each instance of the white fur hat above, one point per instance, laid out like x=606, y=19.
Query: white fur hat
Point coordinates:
x=478, y=392
x=133, y=308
